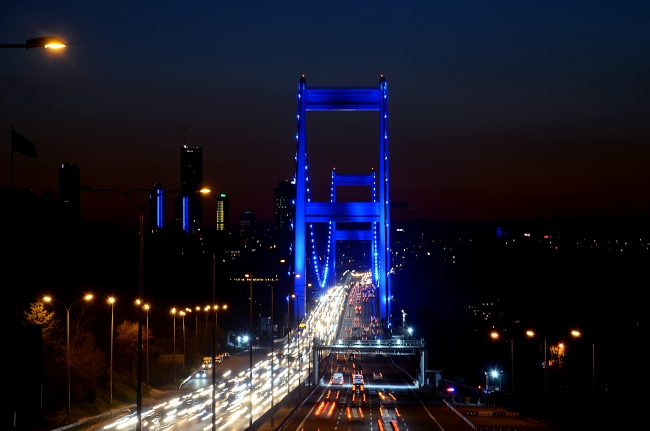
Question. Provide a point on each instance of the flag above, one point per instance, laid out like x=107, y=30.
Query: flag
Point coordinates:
x=22, y=145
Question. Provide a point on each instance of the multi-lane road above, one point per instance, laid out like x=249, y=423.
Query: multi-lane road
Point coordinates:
x=340, y=314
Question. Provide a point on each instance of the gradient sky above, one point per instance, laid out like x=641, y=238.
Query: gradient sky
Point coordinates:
x=497, y=109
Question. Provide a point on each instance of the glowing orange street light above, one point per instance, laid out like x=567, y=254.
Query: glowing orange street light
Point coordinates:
x=39, y=42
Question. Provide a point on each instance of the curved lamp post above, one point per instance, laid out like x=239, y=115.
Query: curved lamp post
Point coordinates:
x=39, y=42
x=67, y=311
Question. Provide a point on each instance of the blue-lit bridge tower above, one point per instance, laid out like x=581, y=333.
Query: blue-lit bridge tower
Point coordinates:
x=375, y=213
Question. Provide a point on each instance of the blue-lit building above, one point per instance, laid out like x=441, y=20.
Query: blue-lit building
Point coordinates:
x=189, y=209
x=157, y=208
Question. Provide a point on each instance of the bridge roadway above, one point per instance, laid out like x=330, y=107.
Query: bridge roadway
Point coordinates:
x=418, y=411
x=325, y=409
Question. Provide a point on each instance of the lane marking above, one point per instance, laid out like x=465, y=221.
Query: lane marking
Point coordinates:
x=416, y=396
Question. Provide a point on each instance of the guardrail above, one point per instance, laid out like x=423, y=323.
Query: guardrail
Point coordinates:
x=97, y=419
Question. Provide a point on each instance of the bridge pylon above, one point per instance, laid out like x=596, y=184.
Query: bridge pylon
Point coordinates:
x=377, y=211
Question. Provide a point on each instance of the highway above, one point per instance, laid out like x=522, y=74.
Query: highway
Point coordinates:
x=342, y=407
x=235, y=392
x=340, y=315
x=326, y=409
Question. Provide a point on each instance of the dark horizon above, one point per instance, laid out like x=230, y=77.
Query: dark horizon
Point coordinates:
x=497, y=111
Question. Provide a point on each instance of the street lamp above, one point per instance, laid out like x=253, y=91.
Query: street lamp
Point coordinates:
x=146, y=307
x=578, y=334
x=214, y=360
x=39, y=42
x=206, y=309
x=272, y=355
x=250, y=347
x=182, y=313
x=289, y=344
x=531, y=334
x=67, y=311
x=173, y=311
x=111, y=301
x=495, y=336
x=196, y=333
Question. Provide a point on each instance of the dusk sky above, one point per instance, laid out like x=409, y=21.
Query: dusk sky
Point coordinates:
x=496, y=109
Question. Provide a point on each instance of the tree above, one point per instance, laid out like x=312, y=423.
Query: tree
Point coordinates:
x=53, y=350
x=127, y=345
x=38, y=315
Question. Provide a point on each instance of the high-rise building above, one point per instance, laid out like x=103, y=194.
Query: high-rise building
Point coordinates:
x=191, y=201
x=70, y=191
x=285, y=196
x=157, y=208
x=223, y=212
x=247, y=223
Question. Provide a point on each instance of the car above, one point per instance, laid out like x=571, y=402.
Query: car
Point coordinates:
x=377, y=375
x=201, y=374
x=337, y=379
x=225, y=355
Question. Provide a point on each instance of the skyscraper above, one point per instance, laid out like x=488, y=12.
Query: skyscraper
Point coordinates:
x=70, y=191
x=157, y=208
x=285, y=195
x=223, y=212
x=191, y=205
x=247, y=223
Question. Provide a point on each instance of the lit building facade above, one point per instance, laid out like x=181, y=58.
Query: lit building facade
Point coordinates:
x=223, y=212
x=157, y=208
x=247, y=223
x=191, y=200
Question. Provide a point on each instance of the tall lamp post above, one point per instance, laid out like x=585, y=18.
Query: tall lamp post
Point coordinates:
x=289, y=297
x=495, y=335
x=272, y=355
x=111, y=301
x=196, y=333
x=214, y=360
x=174, y=341
x=141, y=208
x=578, y=334
x=206, y=309
x=67, y=311
x=531, y=334
x=182, y=313
x=146, y=307
x=250, y=347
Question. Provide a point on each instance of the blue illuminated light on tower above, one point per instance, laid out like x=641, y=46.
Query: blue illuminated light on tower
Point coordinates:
x=186, y=214
x=157, y=208
x=376, y=213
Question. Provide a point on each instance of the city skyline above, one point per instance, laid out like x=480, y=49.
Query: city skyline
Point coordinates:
x=497, y=111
